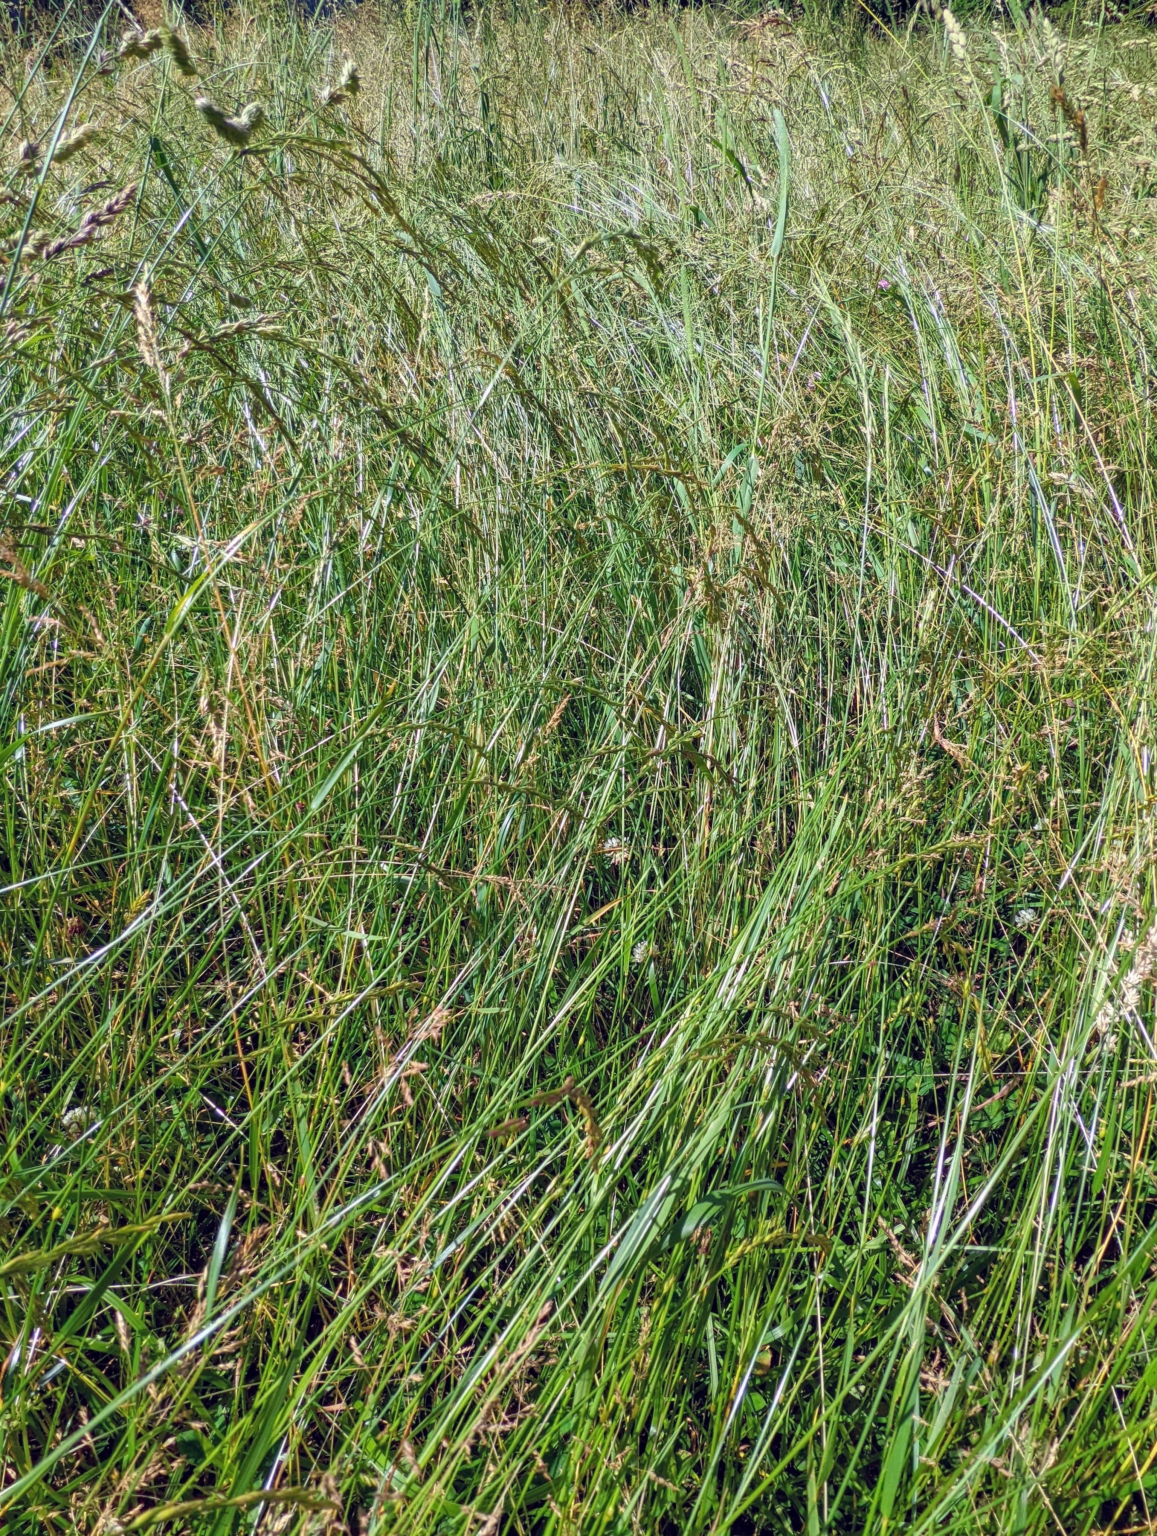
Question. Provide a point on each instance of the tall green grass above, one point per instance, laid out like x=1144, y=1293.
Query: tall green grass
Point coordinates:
x=577, y=676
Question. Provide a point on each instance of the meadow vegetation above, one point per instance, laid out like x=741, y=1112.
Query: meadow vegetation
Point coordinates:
x=576, y=733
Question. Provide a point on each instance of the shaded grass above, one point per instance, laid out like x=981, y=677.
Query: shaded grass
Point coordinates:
x=577, y=781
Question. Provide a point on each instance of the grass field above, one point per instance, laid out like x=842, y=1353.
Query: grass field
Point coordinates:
x=577, y=689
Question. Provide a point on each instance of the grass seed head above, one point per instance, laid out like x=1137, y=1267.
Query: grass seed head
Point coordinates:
x=94, y=221
x=178, y=50
x=1125, y=999
x=19, y=573
x=1054, y=53
x=147, y=328
x=234, y=130
x=349, y=84
x=35, y=245
x=954, y=33
x=583, y=1102
x=1073, y=115
x=78, y=140
x=28, y=158
x=139, y=45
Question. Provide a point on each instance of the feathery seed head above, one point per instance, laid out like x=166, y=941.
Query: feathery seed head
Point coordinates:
x=28, y=158
x=34, y=245
x=1054, y=53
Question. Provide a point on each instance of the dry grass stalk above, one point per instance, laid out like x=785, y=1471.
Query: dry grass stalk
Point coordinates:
x=19, y=573
x=569, y=1092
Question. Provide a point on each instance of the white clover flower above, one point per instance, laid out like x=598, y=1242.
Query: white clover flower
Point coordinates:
x=643, y=951
x=1026, y=918
x=615, y=849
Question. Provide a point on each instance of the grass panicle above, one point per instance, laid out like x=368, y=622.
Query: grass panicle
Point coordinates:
x=74, y=143
x=139, y=44
x=177, y=48
x=235, y=131
x=577, y=849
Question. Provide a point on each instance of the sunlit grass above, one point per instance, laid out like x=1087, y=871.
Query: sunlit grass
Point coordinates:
x=577, y=673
